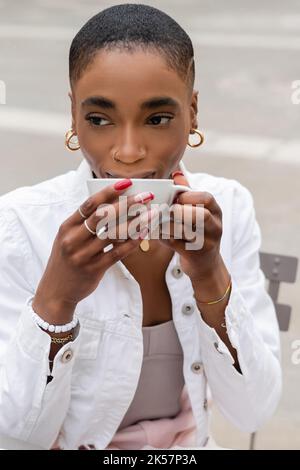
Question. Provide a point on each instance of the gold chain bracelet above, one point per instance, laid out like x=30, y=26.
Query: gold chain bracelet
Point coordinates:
x=63, y=340
x=218, y=300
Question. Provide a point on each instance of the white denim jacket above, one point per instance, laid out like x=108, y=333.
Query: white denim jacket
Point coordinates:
x=96, y=375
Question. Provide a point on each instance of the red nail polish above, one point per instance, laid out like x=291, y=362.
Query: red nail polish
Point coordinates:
x=143, y=197
x=177, y=173
x=119, y=185
x=143, y=233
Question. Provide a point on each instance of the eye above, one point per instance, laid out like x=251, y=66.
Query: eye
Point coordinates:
x=96, y=121
x=156, y=120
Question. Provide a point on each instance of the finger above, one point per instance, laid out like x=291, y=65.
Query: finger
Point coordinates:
x=112, y=214
x=203, y=198
x=179, y=178
x=117, y=253
x=118, y=233
x=175, y=245
x=190, y=215
x=92, y=247
x=186, y=220
x=106, y=195
x=181, y=245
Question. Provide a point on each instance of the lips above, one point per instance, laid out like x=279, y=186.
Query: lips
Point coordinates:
x=144, y=175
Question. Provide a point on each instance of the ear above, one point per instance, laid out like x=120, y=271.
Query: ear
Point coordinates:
x=73, y=111
x=194, y=110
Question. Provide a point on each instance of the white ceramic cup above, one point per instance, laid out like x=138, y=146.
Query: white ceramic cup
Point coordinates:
x=164, y=190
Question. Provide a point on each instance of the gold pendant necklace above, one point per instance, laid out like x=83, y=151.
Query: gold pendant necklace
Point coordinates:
x=145, y=245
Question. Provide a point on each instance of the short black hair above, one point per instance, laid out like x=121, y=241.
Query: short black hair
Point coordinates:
x=128, y=27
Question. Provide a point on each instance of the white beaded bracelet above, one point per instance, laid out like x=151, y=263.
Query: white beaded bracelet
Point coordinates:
x=54, y=328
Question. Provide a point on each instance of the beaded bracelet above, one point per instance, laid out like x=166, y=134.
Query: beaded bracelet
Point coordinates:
x=54, y=328
x=218, y=300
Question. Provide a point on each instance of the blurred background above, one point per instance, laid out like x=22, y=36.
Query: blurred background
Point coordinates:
x=247, y=59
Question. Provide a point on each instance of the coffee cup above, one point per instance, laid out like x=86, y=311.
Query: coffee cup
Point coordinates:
x=164, y=190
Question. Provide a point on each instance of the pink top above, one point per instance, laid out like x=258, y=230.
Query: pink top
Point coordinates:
x=160, y=414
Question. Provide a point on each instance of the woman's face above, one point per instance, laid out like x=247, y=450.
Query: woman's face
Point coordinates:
x=132, y=107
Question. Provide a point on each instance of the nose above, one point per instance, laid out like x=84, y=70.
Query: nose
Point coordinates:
x=129, y=150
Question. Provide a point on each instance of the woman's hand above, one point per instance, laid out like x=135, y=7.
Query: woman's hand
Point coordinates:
x=77, y=262
x=204, y=266
x=196, y=263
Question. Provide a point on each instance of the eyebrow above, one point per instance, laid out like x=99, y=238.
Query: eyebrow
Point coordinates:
x=152, y=103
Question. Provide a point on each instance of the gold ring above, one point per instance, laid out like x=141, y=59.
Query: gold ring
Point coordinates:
x=89, y=229
x=81, y=213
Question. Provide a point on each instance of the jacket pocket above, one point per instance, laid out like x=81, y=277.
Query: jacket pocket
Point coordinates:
x=90, y=336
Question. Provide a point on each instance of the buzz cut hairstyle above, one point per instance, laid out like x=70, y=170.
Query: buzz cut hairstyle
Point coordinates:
x=130, y=27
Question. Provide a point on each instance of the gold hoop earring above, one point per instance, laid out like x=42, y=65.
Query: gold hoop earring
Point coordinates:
x=196, y=131
x=68, y=142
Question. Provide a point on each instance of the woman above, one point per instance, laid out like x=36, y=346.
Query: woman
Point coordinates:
x=111, y=345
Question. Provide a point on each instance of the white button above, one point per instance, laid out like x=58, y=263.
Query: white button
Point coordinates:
x=67, y=356
x=205, y=404
x=197, y=367
x=177, y=271
x=216, y=345
x=187, y=308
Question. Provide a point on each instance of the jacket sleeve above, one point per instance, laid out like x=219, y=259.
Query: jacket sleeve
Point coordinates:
x=248, y=398
x=30, y=410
